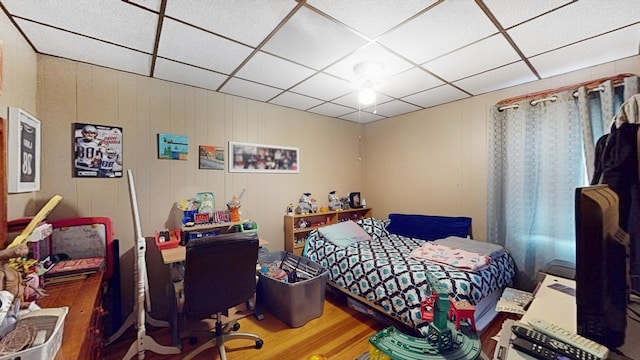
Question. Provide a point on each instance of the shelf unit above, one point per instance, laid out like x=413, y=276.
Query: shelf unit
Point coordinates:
x=295, y=236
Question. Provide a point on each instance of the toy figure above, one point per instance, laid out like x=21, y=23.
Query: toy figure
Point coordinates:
x=314, y=205
x=345, y=203
x=334, y=202
x=304, y=206
x=234, y=209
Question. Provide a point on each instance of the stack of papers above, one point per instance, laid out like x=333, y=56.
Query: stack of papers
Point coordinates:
x=514, y=301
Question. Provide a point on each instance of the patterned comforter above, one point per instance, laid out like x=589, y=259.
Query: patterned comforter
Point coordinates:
x=381, y=271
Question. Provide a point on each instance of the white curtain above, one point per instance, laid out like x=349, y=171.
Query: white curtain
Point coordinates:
x=535, y=164
x=538, y=155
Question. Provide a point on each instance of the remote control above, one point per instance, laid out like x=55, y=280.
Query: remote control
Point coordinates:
x=536, y=350
x=556, y=345
x=557, y=332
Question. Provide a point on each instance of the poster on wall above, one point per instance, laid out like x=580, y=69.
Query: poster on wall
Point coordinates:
x=211, y=157
x=173, y=147
x=98, y=151
x=244, y=157
x=23, y=152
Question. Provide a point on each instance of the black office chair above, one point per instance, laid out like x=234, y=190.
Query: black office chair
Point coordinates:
x=220, y=273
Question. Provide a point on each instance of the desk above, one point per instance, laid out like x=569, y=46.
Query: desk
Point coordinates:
x=554, y=306
x=178, y=254
x=559, y=308
x=82, y=332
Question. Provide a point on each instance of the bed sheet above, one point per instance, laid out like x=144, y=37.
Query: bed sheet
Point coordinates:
x=381, y=271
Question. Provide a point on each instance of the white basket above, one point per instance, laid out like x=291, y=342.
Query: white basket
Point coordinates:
x=48, y=349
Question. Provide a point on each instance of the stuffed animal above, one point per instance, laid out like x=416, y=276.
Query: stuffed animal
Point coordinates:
x=304, y=206
x=334, y=202
x=345, y=203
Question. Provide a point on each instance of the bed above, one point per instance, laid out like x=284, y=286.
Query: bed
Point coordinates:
x=373, y=266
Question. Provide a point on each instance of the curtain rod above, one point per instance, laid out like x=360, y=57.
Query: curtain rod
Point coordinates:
x=539, y=96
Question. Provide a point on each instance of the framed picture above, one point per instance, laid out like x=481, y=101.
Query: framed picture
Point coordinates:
x=97, y=151
x=23, y=152
x=244, y=157
x=211, y=157
x=173, y=147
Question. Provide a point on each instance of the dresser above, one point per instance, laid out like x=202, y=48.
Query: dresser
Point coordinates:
x=82, y=333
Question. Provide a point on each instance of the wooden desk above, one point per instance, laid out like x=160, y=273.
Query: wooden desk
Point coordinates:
x=178, y=254
x=82, y=333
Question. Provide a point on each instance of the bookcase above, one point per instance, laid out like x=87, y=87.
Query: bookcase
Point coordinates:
x=297, y=227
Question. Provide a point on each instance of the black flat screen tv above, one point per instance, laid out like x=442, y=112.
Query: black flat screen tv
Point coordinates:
x=602, y=266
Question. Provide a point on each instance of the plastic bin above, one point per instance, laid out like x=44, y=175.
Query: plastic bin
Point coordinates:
x=294, y=303
x=43, y=321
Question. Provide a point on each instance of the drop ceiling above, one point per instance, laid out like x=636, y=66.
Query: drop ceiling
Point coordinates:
x=301, y=54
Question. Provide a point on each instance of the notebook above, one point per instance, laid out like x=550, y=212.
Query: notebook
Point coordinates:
x=76, y=267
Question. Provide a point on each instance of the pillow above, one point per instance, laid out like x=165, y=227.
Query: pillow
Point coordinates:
x=344, y=233
x=428, y=227
x=376, y=228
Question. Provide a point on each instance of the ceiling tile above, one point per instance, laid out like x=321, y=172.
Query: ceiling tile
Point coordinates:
x=481, y=56
x=308, y=48
x=361, y=117
x=329, y=109
x=249, y=90
x=67, y=45
x=394, y=108
x=409, y=82
x=295, y=101
x=311, y=39
x=616, y=45
x=358, y=14
x=246, y=21
x=127, y=25
x=504, y=77
x=202, y=49
x=509, y=12
x=323, y=86
x=448, y=26
x=153, y=5
x=572, y=23
x=273, y=71
x=440, y=95
x=392, y=63
x=189, y=75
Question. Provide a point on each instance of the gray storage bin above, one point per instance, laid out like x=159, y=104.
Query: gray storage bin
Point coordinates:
x=294, y=303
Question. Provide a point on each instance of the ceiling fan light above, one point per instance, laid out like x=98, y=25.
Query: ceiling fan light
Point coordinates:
x=367, y=96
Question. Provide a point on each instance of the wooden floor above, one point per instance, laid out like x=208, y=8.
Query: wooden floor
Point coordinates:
x=341, y=333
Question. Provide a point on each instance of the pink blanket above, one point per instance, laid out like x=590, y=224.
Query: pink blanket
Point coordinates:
x=450, y=256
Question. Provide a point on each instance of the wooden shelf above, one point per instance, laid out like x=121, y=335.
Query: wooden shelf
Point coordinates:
x=292, y=230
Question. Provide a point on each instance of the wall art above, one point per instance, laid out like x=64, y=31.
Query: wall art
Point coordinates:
x=173, y=147
x=97, y=151
x=245, y=157
x=23, y=152
x=211, y=157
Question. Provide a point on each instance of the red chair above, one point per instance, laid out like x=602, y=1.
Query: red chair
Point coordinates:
x=462, y=310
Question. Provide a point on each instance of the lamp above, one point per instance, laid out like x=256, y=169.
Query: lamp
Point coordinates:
x=368, y=76
x=367, y=96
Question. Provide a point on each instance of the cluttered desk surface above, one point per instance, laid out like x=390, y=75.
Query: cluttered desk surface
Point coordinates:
x=554, y=305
